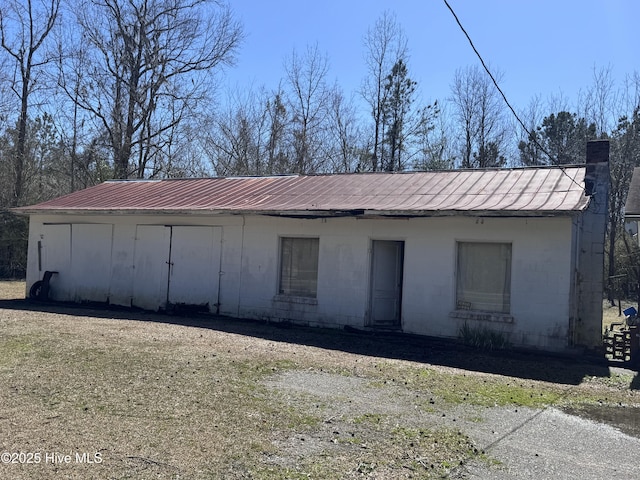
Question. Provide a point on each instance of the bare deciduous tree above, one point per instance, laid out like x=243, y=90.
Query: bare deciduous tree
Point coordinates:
x=277, y=120
x=434, y=150
x=345, y=133
x=233, y=143
x=24, y=28
x=531, y=151
x=624, y=157
x=150, y=59
x=600, y=101
x=385, y=44
x=480, y=114
x=249, y=135
x=309, y=105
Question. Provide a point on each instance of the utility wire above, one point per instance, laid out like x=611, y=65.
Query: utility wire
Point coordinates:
x=504, y=97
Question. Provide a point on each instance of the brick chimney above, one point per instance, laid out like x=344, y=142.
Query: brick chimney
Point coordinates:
x=597, y=158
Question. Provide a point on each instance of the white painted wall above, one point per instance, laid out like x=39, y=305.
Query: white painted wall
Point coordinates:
x=54, y=255
x=101, y=250
x=541, y=268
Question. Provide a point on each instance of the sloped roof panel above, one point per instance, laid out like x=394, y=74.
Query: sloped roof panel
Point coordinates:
x=525, y=191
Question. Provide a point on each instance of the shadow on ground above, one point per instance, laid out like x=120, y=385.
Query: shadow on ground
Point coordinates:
x=624, y=418
x=570, y=370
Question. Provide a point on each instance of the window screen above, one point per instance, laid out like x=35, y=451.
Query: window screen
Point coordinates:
x=484, y=277
x=299, y=267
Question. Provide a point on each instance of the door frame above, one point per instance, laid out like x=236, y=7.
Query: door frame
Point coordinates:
x=397, y=322
x=157, y=294
x=176, y=293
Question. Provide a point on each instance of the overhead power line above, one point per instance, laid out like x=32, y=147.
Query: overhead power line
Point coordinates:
x=504, y=97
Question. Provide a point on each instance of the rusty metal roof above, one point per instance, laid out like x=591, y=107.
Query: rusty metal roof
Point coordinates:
x=518, y=191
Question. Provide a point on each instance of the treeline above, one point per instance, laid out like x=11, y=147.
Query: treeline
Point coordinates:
x=97, y=89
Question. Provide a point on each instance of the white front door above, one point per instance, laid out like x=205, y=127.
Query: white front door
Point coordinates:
x=386, y=283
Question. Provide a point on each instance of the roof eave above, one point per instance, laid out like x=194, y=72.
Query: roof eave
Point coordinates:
x=362, y=213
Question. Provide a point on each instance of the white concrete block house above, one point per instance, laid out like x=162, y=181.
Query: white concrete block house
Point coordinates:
x=516, y=250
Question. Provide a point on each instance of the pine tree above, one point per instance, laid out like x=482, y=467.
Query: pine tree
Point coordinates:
x=399, y=90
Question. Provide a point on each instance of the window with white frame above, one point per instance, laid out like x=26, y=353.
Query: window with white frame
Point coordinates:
x=299, y=266
x=484, y=277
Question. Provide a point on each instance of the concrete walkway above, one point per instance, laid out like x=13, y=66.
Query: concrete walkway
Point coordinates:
x=550, y=444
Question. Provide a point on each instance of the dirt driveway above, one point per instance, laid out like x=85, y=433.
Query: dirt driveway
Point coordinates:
x=203, y=397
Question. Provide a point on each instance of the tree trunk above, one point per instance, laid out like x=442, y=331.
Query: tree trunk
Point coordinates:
x=21, y=144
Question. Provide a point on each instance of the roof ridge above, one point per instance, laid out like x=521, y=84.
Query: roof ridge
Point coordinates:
x=502, y=191
x=343, y=174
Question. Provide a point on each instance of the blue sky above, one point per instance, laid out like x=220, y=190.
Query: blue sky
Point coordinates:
x=542, y=47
